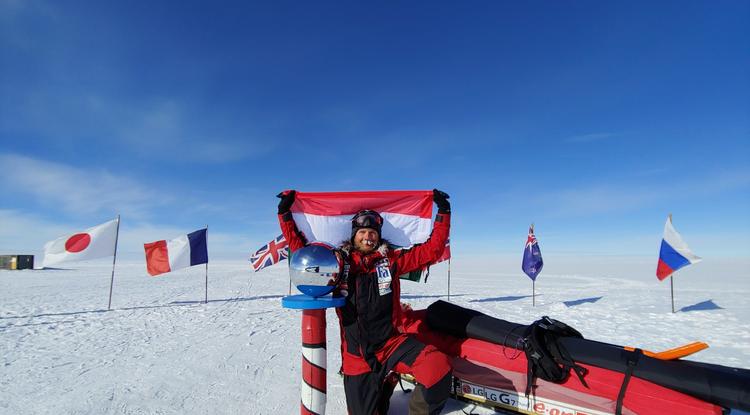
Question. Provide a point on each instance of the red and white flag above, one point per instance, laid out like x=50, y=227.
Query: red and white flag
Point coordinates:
x=326, y=216
x=96, y=242
x=446, y=252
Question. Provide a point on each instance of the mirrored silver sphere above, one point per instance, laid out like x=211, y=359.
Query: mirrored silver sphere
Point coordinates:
x=315, y=270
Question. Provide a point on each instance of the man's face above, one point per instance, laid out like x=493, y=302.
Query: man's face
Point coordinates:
x=366, y=240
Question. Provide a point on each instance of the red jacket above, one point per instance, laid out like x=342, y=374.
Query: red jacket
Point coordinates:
x=371, y=321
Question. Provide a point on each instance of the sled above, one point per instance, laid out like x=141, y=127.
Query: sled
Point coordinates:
x=489, y=371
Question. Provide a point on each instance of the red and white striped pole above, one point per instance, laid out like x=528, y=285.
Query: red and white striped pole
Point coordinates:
x=309, y=268
x=314, y=362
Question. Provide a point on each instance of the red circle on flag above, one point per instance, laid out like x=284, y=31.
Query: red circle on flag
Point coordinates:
x=78, y=242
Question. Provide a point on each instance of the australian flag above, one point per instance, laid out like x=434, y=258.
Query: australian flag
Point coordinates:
x=532, y=256
x=270, y=253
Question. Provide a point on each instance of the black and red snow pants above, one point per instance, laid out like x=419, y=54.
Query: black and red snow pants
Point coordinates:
x=366, y=392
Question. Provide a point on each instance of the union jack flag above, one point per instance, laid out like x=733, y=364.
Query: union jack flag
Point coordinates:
x=270, y=253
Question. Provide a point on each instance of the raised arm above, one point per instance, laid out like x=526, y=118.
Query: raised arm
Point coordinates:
x=288, y=227
x=424, y=254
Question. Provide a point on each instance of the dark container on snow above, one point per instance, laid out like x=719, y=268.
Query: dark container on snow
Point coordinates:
x=16, y=261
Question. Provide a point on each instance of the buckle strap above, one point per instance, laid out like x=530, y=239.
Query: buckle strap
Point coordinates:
x=633, y=358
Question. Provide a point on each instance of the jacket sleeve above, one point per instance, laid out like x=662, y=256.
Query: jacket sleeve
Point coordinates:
x=426, y=253
x=289, y=229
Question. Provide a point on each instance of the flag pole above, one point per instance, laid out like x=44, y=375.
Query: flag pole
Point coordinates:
x=671, y=289
x=533, y=280
x=449, y=279
x=206, y=302
x=114, y=258
x=671, y=280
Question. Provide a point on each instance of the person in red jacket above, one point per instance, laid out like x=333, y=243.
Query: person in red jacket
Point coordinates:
x=373, y=338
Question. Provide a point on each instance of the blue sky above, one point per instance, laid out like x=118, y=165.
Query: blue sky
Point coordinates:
x=594, y=120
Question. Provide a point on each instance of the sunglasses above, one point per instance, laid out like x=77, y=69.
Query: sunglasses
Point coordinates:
x=367, y=219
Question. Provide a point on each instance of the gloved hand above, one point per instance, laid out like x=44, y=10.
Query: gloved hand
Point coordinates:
x=441, y=200
x=287, y=199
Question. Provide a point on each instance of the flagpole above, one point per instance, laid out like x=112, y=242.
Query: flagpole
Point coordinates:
x=114, y=258
x=671, y=280
x=449, y=279
x=671, y=289
x=533, y=280
x=206, y=302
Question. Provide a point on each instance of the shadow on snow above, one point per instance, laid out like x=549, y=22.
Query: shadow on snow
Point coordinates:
x=229, y=300
x=506, y=298
x=581, y=301
x=414, y=296
x=702, y=306
x=145, y=307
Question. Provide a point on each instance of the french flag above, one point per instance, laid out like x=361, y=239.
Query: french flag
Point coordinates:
x=674, y=253
x=181, y=252
x=326, y=216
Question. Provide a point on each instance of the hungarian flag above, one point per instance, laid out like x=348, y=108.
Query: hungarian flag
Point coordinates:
x=674, y=253
x=532, y=256
x=181, y=252
x=326, y=216
x=96, y=242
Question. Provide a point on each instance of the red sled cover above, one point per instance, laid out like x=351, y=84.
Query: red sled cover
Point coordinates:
x=495, y=374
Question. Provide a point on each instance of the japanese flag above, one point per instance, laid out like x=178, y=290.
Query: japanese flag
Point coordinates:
x=96, y=242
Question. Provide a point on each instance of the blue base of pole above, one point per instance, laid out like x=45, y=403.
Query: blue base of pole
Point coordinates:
x=306, y=302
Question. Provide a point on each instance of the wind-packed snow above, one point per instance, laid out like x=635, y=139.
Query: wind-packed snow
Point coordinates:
x=161, y=350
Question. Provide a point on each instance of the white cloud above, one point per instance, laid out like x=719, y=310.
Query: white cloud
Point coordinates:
x=598, y=199
x=79, y=191
x=161, y=128
x=24, y=233
x=166, y=129
x=612, y=197
x=76, y=193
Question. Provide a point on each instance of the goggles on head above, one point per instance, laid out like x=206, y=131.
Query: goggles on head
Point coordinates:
x=367, y=219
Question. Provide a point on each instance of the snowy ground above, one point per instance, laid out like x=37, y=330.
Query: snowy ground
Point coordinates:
x=162, y=351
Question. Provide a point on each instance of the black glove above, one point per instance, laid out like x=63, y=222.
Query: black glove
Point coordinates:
x=441, y=200
x=287, y=199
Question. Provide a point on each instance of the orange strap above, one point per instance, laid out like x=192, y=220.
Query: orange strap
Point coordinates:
x=675, y=352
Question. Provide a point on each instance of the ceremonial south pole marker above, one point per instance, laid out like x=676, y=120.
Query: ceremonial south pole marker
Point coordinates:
x=315, y=270
x=314, y=360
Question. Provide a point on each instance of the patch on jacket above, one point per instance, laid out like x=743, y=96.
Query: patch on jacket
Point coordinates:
x=383, y=270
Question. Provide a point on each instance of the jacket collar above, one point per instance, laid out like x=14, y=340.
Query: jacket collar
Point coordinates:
x=348, y=248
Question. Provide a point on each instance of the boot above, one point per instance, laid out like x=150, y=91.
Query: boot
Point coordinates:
x=389, y=384
x=430, y=401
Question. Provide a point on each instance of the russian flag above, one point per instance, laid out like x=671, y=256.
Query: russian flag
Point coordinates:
x=182, y=252
x=674, y=253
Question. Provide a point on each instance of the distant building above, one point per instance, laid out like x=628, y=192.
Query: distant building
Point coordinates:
x=16, y=261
